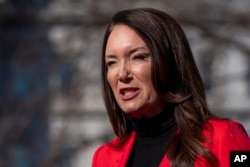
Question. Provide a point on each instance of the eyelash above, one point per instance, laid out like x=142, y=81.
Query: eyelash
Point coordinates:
x=141, y=56
x=136, y=57
x=110, y=63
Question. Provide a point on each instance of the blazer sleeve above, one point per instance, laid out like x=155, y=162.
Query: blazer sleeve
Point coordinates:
x=229, y=136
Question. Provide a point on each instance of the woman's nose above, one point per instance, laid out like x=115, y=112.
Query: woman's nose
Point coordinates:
x=125, y=73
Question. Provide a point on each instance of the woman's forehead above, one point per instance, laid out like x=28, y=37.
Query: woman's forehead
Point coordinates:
x=123, y=37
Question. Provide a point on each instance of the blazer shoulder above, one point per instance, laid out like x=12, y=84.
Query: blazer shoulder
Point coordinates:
x=101, y=155
x=229, y=132
x=226, y=124
x=111, y=154
x=107, y=147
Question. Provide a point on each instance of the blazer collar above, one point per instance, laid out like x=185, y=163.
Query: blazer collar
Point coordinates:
x=120, y=159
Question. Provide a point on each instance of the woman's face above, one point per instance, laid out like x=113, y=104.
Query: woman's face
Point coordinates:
x=129, y=62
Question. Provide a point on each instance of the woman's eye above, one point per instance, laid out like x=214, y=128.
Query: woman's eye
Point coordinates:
x=110, y=63
x=141, y=57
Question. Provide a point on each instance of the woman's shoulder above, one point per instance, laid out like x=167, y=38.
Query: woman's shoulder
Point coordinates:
x=102, y=153
x=229, y=132
x=111, y=152
x=109, y=146
x=224, y=124
x=220, y=125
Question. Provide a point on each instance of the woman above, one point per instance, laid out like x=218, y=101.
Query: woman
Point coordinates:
x=155, y=98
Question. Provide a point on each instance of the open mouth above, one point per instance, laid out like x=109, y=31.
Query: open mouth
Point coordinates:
x=129, y=93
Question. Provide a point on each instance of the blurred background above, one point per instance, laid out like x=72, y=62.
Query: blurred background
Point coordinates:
x=51, y=108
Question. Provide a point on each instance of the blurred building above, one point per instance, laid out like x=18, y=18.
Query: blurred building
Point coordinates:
x=51, y=108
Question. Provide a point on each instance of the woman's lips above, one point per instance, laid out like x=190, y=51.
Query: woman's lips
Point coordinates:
x=129, y=93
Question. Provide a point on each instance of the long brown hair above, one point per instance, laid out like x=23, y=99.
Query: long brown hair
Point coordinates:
x=175, y=78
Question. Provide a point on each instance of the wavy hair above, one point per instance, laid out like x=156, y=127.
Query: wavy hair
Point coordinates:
x=175, y=78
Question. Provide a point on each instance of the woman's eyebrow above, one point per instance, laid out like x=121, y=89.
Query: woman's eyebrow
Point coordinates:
x=110, y=56
x=133, y=50
x=137, y=49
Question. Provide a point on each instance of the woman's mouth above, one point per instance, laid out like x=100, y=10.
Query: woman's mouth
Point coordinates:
x=129, y=93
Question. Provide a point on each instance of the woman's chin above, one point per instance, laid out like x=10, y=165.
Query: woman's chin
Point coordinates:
x=136, y=113
x=131, y=111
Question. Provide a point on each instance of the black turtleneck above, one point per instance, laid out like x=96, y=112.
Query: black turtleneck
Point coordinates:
x=152, y=137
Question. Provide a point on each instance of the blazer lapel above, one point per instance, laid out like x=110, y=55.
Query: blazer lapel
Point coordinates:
x=121, y=158
x=127, y=150
x=165, y=162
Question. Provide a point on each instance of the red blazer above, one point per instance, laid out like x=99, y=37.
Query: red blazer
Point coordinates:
x=225, y=136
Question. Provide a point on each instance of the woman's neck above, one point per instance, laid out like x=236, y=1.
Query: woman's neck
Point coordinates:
x=155, y=125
